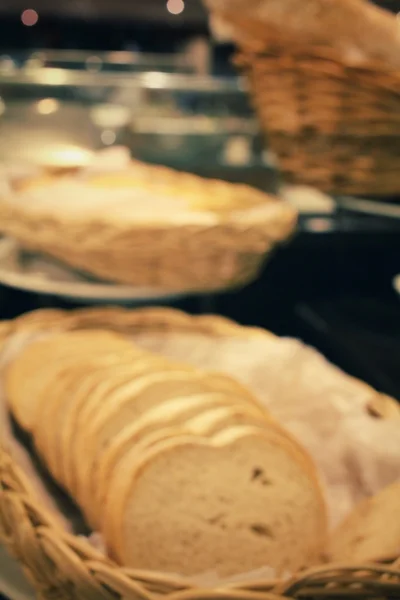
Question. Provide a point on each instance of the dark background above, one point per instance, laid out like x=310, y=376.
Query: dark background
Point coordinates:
x=100, y=24
x=106, y=24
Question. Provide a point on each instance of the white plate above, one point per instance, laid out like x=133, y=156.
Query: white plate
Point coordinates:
x=34, y=273
x=308, y=200
x=371, y=207
x=13, y=584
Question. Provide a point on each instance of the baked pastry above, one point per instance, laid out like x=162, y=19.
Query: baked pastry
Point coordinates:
x=372, y=531
x=148, y=225
x=134, y=434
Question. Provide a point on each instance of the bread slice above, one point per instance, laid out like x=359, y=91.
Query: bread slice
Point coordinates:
x=131, y=402
x=214, y=421
x=27, y=374
x=372, y=531
x=72, y=412
x=57, y=393
x=171, y=413
x=234, y=503
x=125, y=470
x=197, y=413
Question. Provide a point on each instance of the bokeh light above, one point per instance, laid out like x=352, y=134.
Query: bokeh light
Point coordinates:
x=29, y=17
x=108, y=137
x=175, y=7
x=47, y=106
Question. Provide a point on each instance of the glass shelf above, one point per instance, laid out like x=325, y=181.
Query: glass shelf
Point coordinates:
x=57, y=116
x=91, y=61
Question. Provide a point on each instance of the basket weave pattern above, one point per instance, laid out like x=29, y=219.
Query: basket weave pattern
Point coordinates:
x=228, y=252
x=185, y=258
x=64, y=567
x=331, y=125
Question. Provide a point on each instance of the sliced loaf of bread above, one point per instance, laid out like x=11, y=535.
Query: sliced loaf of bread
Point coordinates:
x=29, y=372
x=201, y=414
x=133, y=401
x=180, y=469
x=231, y=503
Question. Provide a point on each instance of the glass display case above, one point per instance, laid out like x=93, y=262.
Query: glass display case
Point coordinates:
x=56, y=108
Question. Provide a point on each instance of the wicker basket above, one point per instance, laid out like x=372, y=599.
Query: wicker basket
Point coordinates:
x=223, y=251
x=331, y=125
x=64, y=567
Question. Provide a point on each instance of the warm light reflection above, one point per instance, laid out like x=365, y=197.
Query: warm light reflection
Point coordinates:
x=175, y=7
x=110, y=116
x=65, y=156
x=47, y=106
x=319, y=225
x=53, y=77
x=29, y=17
x=155, y=80
x=108, y=137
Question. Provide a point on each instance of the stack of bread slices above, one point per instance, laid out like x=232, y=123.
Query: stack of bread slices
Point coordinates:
x=180, y=470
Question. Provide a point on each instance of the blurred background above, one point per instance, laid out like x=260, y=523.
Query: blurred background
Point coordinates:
x=149, y=26
x=81, y=75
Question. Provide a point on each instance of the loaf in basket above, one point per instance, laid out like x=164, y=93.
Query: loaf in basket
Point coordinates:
x=148, y=225
x=150, y=440
x=199, y=476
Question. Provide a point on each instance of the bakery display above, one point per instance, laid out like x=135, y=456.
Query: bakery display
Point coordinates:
x=147, y=225
x=206, y=457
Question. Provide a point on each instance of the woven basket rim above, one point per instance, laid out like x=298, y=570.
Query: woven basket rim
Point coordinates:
x=281, y=211
x=330, y=125
x=183, y=182
x=90, y=568
x=277, y=40
x=191, y=257
x=323, y=60
x=317, y=53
